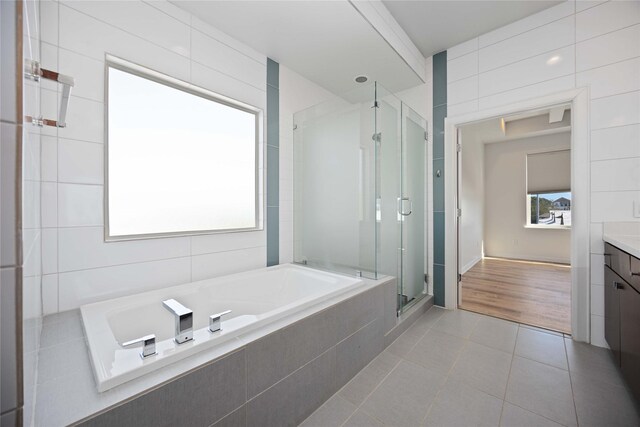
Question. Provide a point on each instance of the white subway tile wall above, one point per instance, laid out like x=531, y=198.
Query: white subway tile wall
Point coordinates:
x=591, y=44
x=66, y=166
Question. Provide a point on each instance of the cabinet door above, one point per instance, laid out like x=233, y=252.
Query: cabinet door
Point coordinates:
x=612, y=312
x=630, y=336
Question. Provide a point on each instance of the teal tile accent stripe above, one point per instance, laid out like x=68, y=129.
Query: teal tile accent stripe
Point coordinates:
x=273, y=163
x=439, y=114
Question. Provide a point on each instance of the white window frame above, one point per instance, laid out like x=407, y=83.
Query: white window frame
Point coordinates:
x=155, y=76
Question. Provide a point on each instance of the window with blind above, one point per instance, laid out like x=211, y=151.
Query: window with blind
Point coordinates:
x=549, y=188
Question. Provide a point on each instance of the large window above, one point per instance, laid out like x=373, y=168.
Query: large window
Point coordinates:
x=180, y=159
x=549, y=189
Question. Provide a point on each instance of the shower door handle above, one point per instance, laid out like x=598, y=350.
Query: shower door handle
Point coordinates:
x=402, y=206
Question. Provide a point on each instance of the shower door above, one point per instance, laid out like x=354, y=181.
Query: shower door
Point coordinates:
x=401, y=183
x=412, y=208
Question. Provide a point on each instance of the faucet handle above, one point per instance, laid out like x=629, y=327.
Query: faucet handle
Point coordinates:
x=215, y=323
x=148, y=345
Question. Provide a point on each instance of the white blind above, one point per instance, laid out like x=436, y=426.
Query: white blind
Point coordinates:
x=549, y=172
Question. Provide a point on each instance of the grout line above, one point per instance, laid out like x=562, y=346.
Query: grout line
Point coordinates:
x=519, y=34
x=156, y=260
x=513, y=356
x=608, y=33
x=163, y=48
x=573, y=397
x=616, y=94
x=525, y=59
x=512, y=89
x=615, y=158
x=400, y=359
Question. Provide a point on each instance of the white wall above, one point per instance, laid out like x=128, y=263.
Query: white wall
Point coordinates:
x=598, y=46
x=505, y=210
x=77, y=265
x=472, y=194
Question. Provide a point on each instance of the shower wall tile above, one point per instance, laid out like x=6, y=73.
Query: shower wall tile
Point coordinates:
x=438, y=238
x=439, y=79
x=273, y=163
x=438, y=185
x=273, y=183
x=273, y=74
x=440, y=99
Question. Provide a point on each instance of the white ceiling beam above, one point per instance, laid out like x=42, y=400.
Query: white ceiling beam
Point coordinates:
x=381, y=20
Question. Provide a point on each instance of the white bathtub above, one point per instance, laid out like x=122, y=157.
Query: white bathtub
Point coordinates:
x=256, y=299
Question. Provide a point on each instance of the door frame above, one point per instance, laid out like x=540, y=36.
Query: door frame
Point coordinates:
x=580, y=189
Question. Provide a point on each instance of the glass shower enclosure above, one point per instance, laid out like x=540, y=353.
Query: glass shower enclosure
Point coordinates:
x=360, y=168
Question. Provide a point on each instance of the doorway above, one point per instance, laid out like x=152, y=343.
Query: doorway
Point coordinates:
x=514, y=217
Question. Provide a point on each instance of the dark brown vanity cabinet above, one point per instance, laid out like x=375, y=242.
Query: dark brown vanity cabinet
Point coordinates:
x=622, y=313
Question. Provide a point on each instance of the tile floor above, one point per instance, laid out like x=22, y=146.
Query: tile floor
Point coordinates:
x=457, y=368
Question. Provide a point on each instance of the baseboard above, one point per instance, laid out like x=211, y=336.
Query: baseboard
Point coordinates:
x=469, y=265
x=553, y=260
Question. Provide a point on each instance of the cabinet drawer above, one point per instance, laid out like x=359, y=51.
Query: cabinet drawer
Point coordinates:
x=619, y=261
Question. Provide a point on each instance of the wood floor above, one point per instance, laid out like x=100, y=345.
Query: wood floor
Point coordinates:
x=532, y=293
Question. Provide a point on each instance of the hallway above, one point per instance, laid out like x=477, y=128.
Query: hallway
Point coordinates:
x=532, y=293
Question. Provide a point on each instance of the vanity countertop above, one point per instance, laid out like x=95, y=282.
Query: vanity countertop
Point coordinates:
x=625, y=242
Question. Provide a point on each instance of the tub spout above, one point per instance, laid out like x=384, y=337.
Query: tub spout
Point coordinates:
x=184, y=320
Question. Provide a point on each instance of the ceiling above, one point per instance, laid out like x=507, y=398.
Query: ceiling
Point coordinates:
x=328, y=42
x=434, y=26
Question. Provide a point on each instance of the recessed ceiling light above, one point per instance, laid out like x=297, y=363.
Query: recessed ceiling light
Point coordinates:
x=361, y=79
